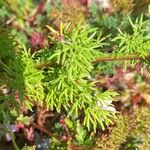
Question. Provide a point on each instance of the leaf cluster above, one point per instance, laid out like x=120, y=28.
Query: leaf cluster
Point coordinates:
x=63, y=87
x=68, y=88
x=135, y=42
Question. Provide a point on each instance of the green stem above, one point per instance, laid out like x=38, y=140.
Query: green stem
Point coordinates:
x=13, y=141
x=105, y=58
x=43, y=65
x=120, y=57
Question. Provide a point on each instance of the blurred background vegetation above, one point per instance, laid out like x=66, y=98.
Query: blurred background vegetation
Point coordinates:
x=23, y=22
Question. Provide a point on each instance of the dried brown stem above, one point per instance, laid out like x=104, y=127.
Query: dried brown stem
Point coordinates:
x=42, y=129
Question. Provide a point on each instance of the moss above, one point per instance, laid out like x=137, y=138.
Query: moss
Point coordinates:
x=118, y=134
x=73, y=12
x=142, y=129
x=135, y=124
x=125, y=7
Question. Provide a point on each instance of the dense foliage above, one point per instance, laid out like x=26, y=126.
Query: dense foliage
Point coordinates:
x=74, y=79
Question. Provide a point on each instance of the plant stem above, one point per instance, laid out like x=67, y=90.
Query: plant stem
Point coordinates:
x=120, y=57
x=13, y=141
x=111, y=57
x=42, y=129
x=44, y=65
